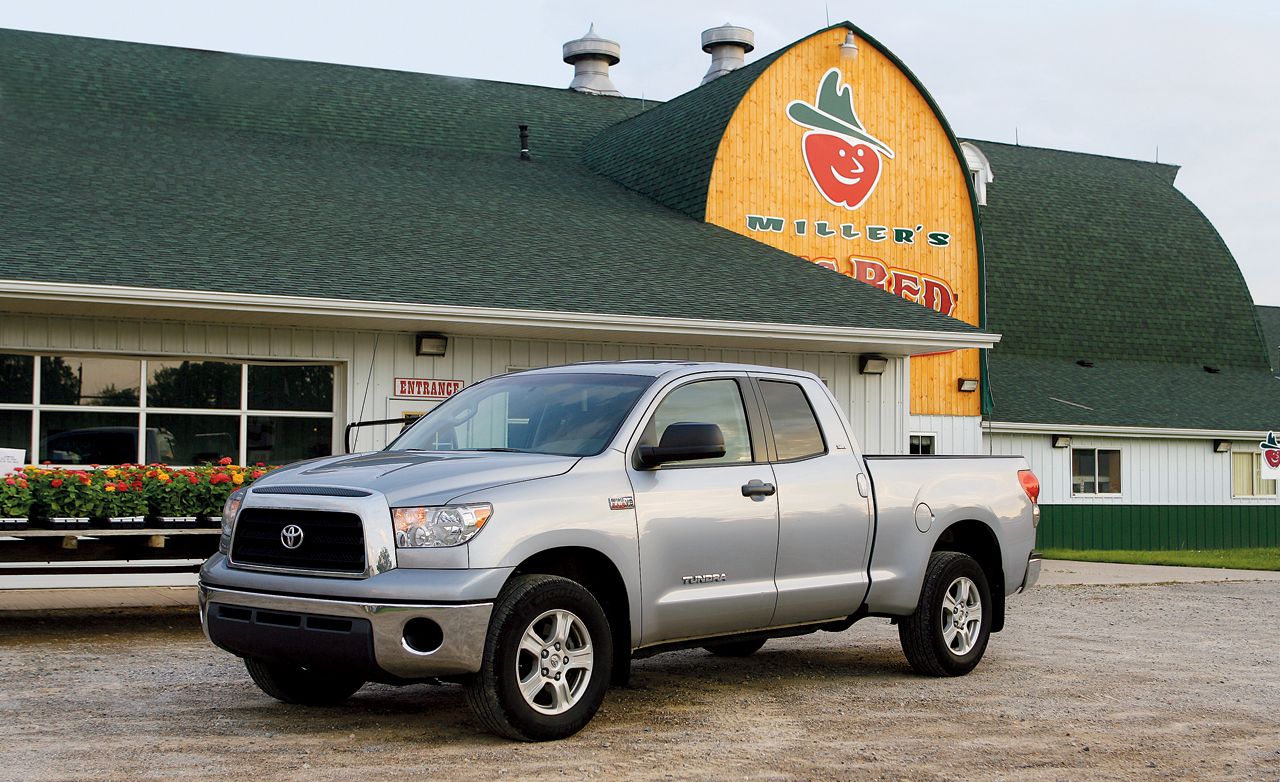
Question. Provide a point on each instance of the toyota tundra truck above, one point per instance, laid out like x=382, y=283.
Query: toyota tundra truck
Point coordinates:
x=539, y=530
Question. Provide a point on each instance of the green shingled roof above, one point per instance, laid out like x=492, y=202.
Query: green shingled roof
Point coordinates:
x=1269, y=317
x=151, y=166
x=1103, y=260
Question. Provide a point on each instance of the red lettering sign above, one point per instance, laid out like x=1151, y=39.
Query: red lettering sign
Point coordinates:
x=425, y=388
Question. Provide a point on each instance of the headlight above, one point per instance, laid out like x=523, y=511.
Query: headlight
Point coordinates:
x=229, y=512
x=436, y=527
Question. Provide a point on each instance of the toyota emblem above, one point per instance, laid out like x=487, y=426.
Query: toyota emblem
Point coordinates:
x=291, y=536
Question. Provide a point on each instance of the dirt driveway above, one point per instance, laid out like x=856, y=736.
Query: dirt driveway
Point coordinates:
x=1139, y=682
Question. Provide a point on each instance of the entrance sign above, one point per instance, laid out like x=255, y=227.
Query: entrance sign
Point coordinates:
x=425, y=388
x=11, y=458
x=847, y=163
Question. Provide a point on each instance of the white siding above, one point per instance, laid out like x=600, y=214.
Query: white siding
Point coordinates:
x=956, y=434
x=1153, y=471
x=368, y=362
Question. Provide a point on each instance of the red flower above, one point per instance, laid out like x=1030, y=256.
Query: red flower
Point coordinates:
x=259, y=464
x=85, y=479
x=22, y=483
x=193, y=479
x=224, y=461
x=257, y=473
x=122, y=486
x=137, y=485
x=56, y=483
x=10, y=481
x=219, y=477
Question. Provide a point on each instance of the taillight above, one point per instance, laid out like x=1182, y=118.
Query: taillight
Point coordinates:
x=1030, y=484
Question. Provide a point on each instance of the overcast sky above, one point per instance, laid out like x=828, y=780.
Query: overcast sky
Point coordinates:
x=1198, y=80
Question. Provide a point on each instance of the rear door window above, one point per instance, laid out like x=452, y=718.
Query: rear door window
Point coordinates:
x=796, y=434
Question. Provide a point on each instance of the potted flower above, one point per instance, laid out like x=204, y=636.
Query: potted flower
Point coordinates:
x=173, y=496
x=15, y=501
x=216, y=485
x=118, y=501
x=64, y=497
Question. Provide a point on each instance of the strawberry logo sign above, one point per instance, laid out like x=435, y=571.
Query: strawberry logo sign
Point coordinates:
x=1270, y=456
x=844, y=160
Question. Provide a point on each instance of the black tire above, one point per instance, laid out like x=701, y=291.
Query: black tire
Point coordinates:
x=736, y=648
x=494, y=692
x=922, y=633
x=305, y=686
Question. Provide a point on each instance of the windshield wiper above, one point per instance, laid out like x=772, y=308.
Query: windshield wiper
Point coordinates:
x=500, y=450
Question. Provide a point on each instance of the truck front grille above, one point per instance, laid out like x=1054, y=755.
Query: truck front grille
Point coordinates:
x=329, y=541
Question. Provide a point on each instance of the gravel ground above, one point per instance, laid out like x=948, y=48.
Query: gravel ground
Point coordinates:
x=1140, y=682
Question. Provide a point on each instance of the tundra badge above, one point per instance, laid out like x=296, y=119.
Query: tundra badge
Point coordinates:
x=622, y=503
x=706, y=578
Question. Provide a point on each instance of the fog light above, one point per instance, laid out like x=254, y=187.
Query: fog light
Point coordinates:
x=422, y=636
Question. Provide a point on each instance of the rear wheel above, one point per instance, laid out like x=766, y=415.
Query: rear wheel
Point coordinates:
x=296, y=684
x=735, y=648
x=947, y=634
x=547, y=660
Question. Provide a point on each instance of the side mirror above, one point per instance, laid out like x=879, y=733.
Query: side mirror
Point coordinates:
x=684, y=442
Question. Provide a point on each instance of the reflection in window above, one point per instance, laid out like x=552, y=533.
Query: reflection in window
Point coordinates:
x=706, y=402
x=291, y=387
x=197, y=439
x=15, y=379
x=95, y=438
x=104, y=382
x=15, y=429
x=282, y=439
x=200, y=384
x=795, y=430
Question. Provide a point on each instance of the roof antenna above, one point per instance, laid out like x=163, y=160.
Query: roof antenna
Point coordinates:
x=1016, y=143
x=1157, y=153
x=524, y=142
x=827, y=7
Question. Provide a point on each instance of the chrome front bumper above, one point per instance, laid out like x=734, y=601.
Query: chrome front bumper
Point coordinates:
x=463, y=628
x=1033, y=571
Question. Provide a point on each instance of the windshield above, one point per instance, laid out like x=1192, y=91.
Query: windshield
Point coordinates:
x=566, y=414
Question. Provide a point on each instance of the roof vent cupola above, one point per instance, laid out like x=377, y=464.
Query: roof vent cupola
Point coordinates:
x=591, y=57
x=728, y=46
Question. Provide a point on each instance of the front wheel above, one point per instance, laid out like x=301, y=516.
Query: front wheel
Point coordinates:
x=296, y=684
x=547, y=660
x=947, y=634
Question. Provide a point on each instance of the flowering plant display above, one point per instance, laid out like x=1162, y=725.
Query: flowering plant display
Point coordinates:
x=15, y=496
x=124, y=490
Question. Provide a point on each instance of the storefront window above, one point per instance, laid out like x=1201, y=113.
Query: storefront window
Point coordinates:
x=15, y=429
x=280, y=439
x=195, y=439
x=1095, y=471
x=284, y=387
x=15, y=378
x=104, y=382
x=206, y=384
x=90, y=438
x=95, y=410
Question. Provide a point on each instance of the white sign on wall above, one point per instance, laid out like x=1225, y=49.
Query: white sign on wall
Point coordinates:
x=425, y=388
x=11, y=458
x=1270, y=457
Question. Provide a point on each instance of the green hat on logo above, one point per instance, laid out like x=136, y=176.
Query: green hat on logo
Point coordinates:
x=834, y=112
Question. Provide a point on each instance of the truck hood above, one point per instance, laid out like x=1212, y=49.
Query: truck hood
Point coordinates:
x=420, y=478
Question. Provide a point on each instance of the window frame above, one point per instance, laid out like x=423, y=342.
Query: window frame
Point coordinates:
x=1071, y=465
x=933, y=443
x=767, y=422
x=242, y=411
x=1255, y=474
x=750, y=405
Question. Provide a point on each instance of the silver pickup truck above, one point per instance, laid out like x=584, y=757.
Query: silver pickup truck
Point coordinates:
x=536, y=532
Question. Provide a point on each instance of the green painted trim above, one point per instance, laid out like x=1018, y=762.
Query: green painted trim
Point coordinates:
x=1158, y=527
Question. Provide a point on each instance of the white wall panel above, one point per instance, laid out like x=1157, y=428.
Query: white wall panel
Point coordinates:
x=956, y=434
x=1153, y=471
x=369, y=361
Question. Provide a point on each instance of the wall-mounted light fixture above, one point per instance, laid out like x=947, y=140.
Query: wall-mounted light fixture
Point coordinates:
x=967, y=384
x=1061, y=441
x=1222, y=446
x=872, y=365
x=849, y=49
x=431, y=344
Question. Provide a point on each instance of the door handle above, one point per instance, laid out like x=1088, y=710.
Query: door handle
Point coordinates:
x=758, y=488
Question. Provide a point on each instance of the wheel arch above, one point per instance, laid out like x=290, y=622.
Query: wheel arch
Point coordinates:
x=976, y=539
x=598, y=574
